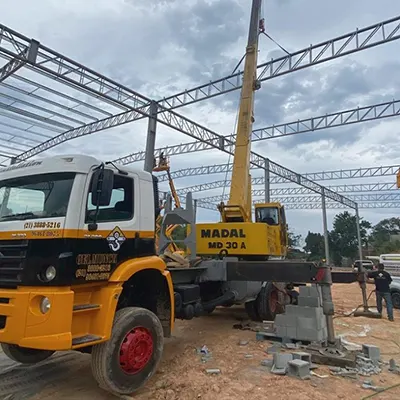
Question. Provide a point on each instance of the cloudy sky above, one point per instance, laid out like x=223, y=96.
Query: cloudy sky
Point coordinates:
x=160, y=47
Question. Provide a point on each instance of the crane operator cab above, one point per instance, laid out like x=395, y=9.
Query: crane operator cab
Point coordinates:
x=273, y=214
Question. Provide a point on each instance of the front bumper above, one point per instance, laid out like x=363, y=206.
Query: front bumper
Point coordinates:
x=23, y=323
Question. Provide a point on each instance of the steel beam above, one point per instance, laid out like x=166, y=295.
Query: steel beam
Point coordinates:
x=315, y=206
x=351, y=173
x=349, y=43
x=376, y=197
x=340, y=118
x=78, y=76
x=290, y=191
x=199, y=132
x=27, y=55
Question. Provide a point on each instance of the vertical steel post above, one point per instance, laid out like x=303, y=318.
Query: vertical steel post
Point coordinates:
x=267, y=181
x=358, y=233
x=325, y=226
x=151, y=138
x=361, y=268
x=195, y=209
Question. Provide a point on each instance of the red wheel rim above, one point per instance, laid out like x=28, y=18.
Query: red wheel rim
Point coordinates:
x=273, y=300
x=136, y=350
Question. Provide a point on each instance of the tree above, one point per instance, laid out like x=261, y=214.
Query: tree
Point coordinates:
x=343, y=238
x=380, y=236
x=293, y=240
x=314, y=246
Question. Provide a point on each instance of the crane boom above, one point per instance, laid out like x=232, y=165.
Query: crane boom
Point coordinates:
x=239, y=204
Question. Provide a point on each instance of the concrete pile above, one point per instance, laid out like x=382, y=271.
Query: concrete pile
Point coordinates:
x=305, y=321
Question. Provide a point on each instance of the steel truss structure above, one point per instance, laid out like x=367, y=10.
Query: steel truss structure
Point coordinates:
x=123, y=105
x=291, y=191
x=312, y=206
x=352, y=173
x=73, y=73
x=381, y=197
x=337, y=119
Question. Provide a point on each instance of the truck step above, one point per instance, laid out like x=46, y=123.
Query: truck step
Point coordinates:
x=86, y=307
x=85, y=339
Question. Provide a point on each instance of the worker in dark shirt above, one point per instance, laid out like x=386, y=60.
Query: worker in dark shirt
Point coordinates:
x=382, y=289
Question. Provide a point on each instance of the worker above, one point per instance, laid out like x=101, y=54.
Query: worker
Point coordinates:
x=382, y=289
x=162, y=159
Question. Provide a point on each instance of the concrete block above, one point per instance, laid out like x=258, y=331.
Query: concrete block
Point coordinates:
x=301, y=355
x=311, y=335
x=286, y=320
x=280, y=320
x=299, y=369
x=304, y=291
x=309, y=312
x=281, y=360
x=291, y=309
x=291, y=332
x=315, y=291
x=371, y=352
x=281, y=331
x=309, y=301
x=311, y=323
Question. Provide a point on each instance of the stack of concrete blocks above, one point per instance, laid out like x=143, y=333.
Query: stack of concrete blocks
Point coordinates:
x=305, y=321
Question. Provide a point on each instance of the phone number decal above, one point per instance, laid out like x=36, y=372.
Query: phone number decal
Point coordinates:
x=42, y=225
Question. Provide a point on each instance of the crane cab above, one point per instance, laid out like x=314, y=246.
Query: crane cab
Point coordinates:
x=273, y=214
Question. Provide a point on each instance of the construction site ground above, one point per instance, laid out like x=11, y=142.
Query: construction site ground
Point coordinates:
x=182, y=373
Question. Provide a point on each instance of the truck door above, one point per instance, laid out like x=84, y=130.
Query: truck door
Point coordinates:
x=116, y=237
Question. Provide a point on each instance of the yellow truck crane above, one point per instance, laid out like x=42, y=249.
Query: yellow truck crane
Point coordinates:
x=79, y=268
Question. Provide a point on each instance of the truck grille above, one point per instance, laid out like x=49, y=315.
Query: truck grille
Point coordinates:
x=12, y=255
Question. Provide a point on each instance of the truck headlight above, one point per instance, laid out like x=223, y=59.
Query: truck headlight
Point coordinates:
x=48, y=274
x=45, y=305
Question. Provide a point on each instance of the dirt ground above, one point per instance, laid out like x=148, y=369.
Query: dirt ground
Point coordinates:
x=182, y=376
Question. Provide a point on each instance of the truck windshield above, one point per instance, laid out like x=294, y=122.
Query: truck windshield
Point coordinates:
x=37, y=196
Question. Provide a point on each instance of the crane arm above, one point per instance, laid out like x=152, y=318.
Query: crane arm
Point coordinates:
x=238, y=208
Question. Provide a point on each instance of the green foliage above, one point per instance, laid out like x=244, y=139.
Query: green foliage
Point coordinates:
x=343, y=240
x=179, y=233
x=294, y=240
x=380, y=236
x=314, y=246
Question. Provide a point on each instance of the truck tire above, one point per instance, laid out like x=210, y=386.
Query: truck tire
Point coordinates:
x=131, y=356
x=251, y=310
x=24, y=355
x=267, y=302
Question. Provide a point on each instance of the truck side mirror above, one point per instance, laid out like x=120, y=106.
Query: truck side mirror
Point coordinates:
x=102, y=187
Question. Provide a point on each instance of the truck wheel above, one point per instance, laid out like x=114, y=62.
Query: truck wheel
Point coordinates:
x=25, y=355
x=251, y=310
x=267, y=302
x=131, y=356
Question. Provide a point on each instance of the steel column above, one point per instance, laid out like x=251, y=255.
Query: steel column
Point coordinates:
x=267, y=182
x=325, y=225
x=151, y=138
x=359, y=233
